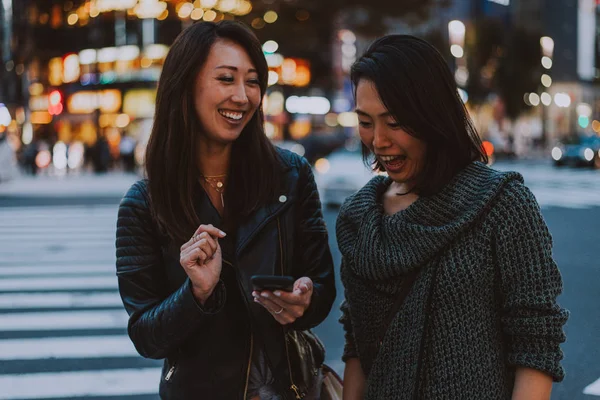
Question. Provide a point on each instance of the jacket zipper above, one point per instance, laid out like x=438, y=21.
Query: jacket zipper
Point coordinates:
x=293, y=386
x=251, y=335
x=249, y=365
x=171, y=372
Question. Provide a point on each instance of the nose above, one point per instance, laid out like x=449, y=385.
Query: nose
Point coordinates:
x=380, y=139
x=239, y=95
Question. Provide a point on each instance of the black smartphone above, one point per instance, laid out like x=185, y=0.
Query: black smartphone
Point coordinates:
x=272, y=282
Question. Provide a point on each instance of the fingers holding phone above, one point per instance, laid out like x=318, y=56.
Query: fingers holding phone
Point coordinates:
x=286, y=299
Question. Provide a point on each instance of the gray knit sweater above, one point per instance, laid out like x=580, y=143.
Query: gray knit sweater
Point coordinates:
x=484, y=302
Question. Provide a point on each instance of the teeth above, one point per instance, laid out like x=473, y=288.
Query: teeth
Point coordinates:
x=232, y=115
x=390, y=158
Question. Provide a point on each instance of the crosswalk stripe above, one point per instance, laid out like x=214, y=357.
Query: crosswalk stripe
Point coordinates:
x=61, y=241
x=81, y=383
x=60, y=283
x=40, y=270
x=20, y=301
x=63, y=320
x=66, y=236
x=67, y=347
x=593, y=389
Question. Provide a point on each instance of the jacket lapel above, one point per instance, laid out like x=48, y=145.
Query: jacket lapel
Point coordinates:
x=253, y=225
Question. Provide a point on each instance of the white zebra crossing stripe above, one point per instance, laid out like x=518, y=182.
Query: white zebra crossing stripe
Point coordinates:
x=85, y=383
x=67, y=347
x=60, y=283
x=20, y=301
x=593, y=389
x=63, y=320
x=61, y=269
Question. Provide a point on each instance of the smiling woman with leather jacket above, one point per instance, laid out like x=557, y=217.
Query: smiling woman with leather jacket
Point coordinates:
x=220, y=204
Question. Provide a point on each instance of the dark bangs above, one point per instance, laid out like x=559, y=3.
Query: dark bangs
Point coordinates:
x=418, y=89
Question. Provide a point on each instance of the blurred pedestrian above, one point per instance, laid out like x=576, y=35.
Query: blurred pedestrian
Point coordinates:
x=101, y=157
x=220, y=205
x=447, y=264
x=8, y=160
x=127, y=152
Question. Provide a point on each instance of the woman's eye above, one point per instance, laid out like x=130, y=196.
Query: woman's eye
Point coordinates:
x=364, y=124
x=254, y=82
x=394, y=125
x=226, y=78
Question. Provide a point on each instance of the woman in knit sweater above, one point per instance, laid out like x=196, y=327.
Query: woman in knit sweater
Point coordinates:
x=480, y=320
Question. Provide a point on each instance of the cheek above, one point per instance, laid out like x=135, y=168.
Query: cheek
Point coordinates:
x=254, y=98
x=366, y=136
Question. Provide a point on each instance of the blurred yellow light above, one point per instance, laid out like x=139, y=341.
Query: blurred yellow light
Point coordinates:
x=258, y=23
x=73, y=18
x=163, y=16
x=227, y=5
x=197, y=14
x=122, y=121
x=300, y=129
x=270, y=17
x=210, y=15
x=322, y=165
x=288, y=71
x=185, y=10
x=71, y=68
x=209, y=3
x=198, y=4
x=302, y=76
x=596, y=126
x=244, y=8
x=146, y=62
x=148, y=9
x=40, y=117
x=35, y=89
x=94, y=12
x=106, y=120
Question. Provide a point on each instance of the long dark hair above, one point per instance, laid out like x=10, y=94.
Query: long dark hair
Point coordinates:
x=418, y=89
x=254, y=172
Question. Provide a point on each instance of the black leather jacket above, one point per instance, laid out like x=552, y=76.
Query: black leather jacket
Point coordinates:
x=207, y=350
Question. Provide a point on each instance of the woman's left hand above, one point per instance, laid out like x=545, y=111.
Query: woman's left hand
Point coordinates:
x=287, y=307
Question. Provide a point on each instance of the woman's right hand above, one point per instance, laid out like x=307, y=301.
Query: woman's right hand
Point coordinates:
x=201, y=260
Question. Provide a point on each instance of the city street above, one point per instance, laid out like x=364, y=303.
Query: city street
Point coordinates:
x=62, y=325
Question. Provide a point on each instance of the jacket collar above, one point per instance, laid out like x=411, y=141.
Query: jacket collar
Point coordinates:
x=249, y=228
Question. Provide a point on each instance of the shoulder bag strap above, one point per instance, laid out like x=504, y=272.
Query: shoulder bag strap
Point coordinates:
x=405, y=287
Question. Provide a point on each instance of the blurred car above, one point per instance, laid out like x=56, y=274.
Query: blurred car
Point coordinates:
x=578, y=150
x=341, y=174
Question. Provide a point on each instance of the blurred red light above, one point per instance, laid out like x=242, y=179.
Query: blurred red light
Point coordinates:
x=488, y=147
x=55, y=106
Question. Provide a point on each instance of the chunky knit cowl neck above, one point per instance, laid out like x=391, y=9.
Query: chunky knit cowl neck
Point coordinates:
x=411, y=237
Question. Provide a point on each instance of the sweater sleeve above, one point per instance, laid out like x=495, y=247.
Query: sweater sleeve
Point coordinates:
x=530, y=282
x=346, y=321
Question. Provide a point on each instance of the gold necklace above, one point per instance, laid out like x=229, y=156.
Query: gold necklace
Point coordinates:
x=217, y=184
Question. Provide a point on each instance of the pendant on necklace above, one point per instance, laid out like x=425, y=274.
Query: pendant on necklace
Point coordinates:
x=219, y=185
